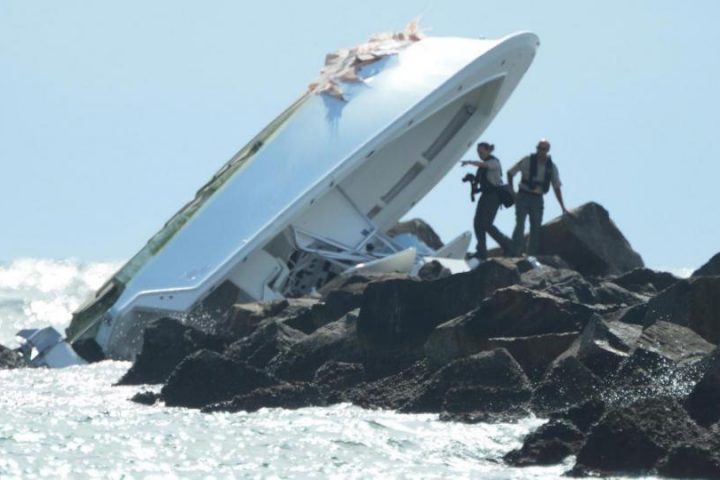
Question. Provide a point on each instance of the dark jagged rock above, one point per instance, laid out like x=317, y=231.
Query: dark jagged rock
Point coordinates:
x=699, y=459
x=693, y=303
x=264, y=344
x=488, y=381
x=166, y=342
x=568, y=382
x=207, y=377
x=712, y=267
x=335, y=341
x=10, y=359
x=534, y=354
x=563, y=283
x=433, y=270
x=634, y=315
x=665, y=362
x=548, y=445
x=244, y=318
x=394, y=391
x=146, y=398
x=89, y=350
x=339, y=376
x=583, y=415
x=590, y=242
x=420, y=229
x=631, y=440
x=287, y=395
x=703, y=403
x=397, y=315
x=608, y=293
x=645, y=280
x=604, y=345
x=510, y=312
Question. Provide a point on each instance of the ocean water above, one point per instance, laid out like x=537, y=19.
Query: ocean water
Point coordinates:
x=72, y=423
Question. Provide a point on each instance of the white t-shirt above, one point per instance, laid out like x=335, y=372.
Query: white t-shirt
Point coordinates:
x=493, y=172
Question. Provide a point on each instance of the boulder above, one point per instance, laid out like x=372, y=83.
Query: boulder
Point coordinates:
x=712, y=267
x=269, y=340
x=244, y=318
x=509, y=312
x=535, y=353
x=420, y=229
x=397, y=315
x=336, y=341
x=703, y=403
x=604, y=345
x=590, y=242
x=146, y=398
x=394, y=391
x=563, y=283
x=339, y=376
x=698, y=459
x=693, y=303
x=645, y=280
x=633, y=439
x=207, y=377
x=88, y=349
x=10, y=359
x=583, y=415
x=666, y=361
x=566, y=383
x=166, y=342
x=548, y=445
x=287, y=395
x=488, y=381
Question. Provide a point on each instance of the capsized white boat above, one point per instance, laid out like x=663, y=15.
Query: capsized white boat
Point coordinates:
x=313, y=194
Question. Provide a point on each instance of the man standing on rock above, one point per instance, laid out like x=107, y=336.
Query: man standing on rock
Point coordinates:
x=538, y=172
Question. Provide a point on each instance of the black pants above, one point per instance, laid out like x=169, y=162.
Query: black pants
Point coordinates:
x=487, y=208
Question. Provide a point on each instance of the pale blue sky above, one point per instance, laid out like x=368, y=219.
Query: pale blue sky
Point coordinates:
x=112, y=114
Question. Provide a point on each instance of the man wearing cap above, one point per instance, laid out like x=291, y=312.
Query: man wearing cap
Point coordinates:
x=538, y=172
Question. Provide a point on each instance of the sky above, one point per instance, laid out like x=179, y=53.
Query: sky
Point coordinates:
x=113, y=114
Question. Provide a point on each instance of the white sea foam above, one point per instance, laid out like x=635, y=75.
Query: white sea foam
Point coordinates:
x=41, y=292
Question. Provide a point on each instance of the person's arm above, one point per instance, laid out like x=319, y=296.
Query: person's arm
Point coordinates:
x=474, y=163
x=558, y=195
x=511, y=173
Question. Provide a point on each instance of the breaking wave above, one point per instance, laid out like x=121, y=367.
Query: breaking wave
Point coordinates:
x=40, y=292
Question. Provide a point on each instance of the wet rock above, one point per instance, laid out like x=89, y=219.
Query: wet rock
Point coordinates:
x=535, y=353
x=488, y=381
x=287, y=395
x=665, y=362
x=698, y=459
x=712, y=267
x=510, y=312
x=207, y=377
x=420, y=229
x=339, y=376
x=604, y=345
x=433, y=270
x=567, y=382
x=631, y=440
x=590, y=242
x=397, y=315
x=244, y=318
x=693, y=303
x=89, y=350
x=583, y=415
x=337, y=341
x=634, y=315
x=703, y=403
x=146, y=398
x=644, y=280
x=548, y=445
x=394, y=391
x=268, y=341
x=166, y=342
x=10, y=359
